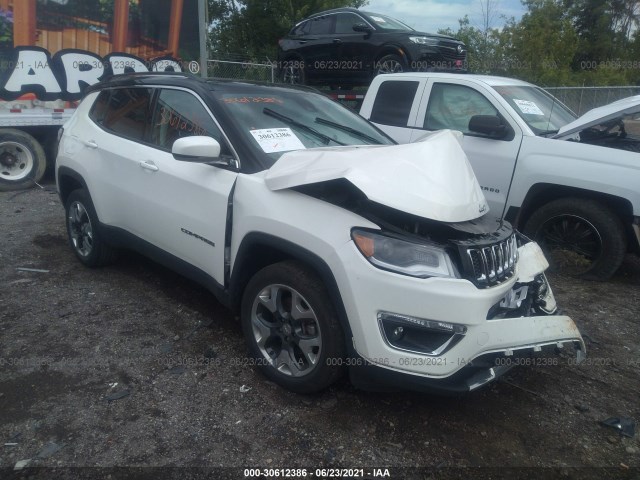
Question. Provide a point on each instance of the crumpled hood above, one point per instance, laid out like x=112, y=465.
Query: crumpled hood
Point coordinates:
x=431, y=178
x=600, y=115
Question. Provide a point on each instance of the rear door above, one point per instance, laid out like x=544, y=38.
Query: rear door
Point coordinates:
x=113, y=145
x=317, y=47
x=395, y=107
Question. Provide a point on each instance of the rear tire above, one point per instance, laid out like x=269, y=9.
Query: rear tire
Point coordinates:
x=22, y=160
x=293, y=73
x=292, y=329
x=580, y=237
x=84, y=235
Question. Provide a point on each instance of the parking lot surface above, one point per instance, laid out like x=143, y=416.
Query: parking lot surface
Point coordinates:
x=132, y=365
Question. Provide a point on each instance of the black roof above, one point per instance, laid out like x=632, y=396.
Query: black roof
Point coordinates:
x=335, y=10
x=179, y=79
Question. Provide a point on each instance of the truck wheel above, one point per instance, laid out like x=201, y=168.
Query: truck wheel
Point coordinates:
x=580, y=237
x=389, y=64
x=22, y=160
x=292, y=329
x=82, y=229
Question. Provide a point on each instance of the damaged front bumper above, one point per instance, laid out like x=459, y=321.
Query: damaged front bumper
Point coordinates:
x=506, y=343
x=447, y=336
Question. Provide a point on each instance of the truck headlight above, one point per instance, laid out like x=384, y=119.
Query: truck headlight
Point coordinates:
x=402, y=256
x=424, y=40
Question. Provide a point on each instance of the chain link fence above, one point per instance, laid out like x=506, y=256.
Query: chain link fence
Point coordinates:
x=578, y=99
x=242, y=70
x=583, y=99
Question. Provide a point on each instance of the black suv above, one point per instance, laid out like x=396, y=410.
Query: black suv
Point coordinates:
x=346, y=46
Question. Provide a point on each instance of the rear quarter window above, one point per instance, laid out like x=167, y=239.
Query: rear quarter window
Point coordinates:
x=393, y=103
x=123, y=111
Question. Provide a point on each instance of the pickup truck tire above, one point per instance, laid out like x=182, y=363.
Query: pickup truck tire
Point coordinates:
x=84, y=236
x=581, y=237
x=389, y=64
x=291, y=328
x=22, y=160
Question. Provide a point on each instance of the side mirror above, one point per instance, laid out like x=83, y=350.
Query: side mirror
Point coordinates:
x=197, y=149
x=490, y=125
x=362, y=28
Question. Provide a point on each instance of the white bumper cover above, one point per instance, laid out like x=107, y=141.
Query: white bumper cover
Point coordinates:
x=371, y=291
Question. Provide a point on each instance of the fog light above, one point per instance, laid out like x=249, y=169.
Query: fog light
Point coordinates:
x=397, y=333
x=419, y=335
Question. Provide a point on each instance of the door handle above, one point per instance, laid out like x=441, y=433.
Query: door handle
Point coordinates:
x=149, y=165
x=337, y=40
x=90, y=143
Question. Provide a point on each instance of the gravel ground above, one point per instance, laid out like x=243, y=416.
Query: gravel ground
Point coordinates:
x=134, y=366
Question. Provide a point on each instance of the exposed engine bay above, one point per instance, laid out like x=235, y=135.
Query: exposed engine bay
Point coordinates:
x=619, y=133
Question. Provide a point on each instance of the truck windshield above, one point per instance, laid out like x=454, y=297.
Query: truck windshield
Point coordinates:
x=543, y=113
x=274, y=121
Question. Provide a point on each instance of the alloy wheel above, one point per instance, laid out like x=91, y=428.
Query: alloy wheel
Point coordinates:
x=286, y=330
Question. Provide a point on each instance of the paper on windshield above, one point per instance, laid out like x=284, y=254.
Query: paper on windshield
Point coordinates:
x=528, y=107
x=273, y=140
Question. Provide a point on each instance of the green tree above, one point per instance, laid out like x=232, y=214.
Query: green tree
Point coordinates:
x=607, y=41
x=541, y=47
x=483, y=47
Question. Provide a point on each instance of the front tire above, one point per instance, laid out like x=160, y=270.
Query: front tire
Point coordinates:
x=580, y=237
x=22, y=160
x=292, y=329
x=82, y=229
x=389, y=64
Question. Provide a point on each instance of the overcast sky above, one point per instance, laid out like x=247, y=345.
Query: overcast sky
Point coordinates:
x=431, y=15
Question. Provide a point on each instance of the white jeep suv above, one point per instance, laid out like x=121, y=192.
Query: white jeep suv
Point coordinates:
x=339, y=249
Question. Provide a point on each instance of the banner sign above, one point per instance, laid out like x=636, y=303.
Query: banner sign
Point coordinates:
x=65, y=75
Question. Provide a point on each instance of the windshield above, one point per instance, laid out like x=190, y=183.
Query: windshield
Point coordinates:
x=387, y=23
x=542, y=112
x=276, y=121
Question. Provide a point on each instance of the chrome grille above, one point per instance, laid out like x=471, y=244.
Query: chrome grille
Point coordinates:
x=490, y=265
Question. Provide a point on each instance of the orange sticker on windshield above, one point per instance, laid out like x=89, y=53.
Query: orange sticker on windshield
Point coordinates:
x=253, y=100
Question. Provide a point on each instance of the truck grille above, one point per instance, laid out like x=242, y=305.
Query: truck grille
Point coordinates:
x=487, y=263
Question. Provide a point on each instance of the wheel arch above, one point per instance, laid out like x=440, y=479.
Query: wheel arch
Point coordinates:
x=391, y=49
x=543, y=193
x=68, y=181
x=259, y=250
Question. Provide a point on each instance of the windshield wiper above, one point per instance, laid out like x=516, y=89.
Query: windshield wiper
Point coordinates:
x=301, y=126
x=350, y=130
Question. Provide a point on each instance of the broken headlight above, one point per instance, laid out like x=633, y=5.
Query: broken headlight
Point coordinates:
x=402, y=256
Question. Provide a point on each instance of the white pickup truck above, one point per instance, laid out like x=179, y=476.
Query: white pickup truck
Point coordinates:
x=572, y=184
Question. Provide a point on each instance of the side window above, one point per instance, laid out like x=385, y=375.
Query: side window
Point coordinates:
x=301, y=29
x=393, y=103
x=322, y=25
x=346, y=21
x=99, y=107
x=452, y=106
x=180, y=114
x=126, y=112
